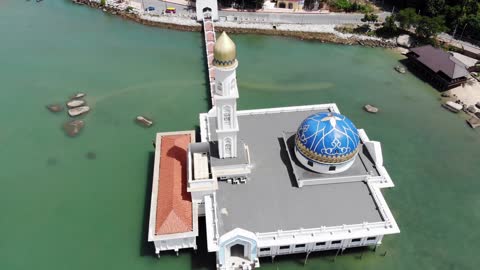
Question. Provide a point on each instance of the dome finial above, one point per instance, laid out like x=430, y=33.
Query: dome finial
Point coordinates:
x=224, y=52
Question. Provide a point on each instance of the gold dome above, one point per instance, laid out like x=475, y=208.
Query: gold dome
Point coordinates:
x=224, y=52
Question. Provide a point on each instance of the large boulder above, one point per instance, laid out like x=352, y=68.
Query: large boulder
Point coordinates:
x=75, y=103
x=371, y=109
x=405, y=41
x=72, y=128
x=144, y=121
x=78, y=111
x=78, y=95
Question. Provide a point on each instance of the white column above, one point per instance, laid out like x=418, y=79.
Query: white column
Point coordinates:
x=225, y=97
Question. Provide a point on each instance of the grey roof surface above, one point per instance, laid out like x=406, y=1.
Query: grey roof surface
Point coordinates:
x=270, y=200
x=362, y=166
x=467, y=61
x=440, y=60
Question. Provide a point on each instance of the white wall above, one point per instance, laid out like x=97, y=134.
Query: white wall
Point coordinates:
x=212, y=4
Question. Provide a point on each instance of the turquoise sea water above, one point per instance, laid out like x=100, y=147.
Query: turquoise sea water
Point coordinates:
x=61, y=210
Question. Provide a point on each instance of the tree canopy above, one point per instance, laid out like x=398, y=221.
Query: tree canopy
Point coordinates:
x=461, y=17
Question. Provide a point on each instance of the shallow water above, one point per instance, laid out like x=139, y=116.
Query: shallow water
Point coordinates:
x=62, y=209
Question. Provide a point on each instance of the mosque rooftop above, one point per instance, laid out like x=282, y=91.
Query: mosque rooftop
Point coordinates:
x=272, y=191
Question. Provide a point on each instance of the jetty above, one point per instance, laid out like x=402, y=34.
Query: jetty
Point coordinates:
x=209, y=39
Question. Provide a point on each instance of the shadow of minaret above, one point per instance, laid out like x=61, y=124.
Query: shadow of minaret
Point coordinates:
x=205, y=70
x=201, y=259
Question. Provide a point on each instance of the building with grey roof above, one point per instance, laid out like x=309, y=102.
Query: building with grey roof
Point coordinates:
x=280, y=181
x=440, y=67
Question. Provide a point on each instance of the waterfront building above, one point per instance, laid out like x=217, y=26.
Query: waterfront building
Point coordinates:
x=269, y=182
x=438, y=66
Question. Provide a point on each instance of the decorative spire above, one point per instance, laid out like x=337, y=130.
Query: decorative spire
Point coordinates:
x=224, y=52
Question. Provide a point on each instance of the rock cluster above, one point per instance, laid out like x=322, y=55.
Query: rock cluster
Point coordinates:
x=73, y=127
x=76, y=106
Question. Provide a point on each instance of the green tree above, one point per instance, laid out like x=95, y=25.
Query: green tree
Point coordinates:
x=390, y=25
x=430, y=27
x=407, y=18
x=342, y=4
x=370, y=18
x=434, y=7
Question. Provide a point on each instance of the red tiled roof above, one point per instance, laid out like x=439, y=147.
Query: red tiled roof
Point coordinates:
x=174, y=203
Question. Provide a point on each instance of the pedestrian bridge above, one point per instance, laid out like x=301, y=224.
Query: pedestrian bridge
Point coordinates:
x=209, y=38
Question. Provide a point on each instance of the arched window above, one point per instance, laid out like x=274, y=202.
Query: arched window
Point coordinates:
x=227, y=147
x=219, y=87
x=290, y=5
x=227, y=116
x=233, y=85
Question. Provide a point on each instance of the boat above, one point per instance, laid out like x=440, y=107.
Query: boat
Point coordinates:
x=400, y=69
x=452, y=106
x=75, y=103
x=474, y=122
x=78, y=111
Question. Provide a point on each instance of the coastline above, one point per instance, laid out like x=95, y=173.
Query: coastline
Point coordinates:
x=311, y=32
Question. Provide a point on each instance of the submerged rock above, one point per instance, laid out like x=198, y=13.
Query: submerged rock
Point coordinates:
x=371, y=109
x=78, y=111
x=91, y=155
x=52, y=161
x=400, y=69
x=55, y=108
x=142, y=120
x=72, y=128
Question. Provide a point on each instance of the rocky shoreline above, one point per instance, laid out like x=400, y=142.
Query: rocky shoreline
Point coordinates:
x=312, y=36
x=276, y=30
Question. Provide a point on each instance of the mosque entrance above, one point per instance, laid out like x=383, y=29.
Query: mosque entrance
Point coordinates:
x=237, y=250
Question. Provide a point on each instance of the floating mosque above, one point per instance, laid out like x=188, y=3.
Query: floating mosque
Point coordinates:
x=268, y=182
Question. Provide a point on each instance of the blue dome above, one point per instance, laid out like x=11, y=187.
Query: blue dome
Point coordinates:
x=327, y=138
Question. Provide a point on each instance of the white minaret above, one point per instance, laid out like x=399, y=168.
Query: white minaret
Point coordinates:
x=226, y=95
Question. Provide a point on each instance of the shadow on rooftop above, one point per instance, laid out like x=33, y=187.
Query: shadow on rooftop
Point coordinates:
x=286, y=160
